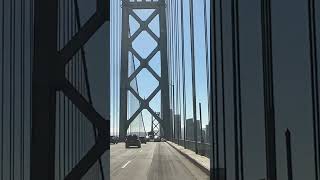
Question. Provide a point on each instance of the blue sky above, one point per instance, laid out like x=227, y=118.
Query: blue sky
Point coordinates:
x=144, y=44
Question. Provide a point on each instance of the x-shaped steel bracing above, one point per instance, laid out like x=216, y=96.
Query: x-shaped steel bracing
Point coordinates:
x=144, y=64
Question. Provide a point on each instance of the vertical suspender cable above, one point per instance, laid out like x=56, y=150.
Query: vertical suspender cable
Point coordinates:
x=59, y=98
x=2, y=90
x=314, y=81
x=11, y=89
x=113, y=53
x=112, y=65
x=169, y=59
x=268, y=90
x=73, y=80
x=64, y=97
x=215, y=74
x=22, y=86
x=31, y=45
x=179, y=72
x=116, y=66
x=70, y=79
x=31, y=62
x=217, y=174
x=115, y=61
x=205, y=22
x=223, y=90
x=183, y=75
x=194, y=99
x=235, y=100
x=13, y=93
x=239, y=89
x=212, y=58
x=177, y=67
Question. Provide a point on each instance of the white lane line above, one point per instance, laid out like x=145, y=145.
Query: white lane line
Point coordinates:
x=140, y=150
x=126, y=164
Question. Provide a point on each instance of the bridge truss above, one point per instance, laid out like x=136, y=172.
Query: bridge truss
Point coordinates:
x=128, y=7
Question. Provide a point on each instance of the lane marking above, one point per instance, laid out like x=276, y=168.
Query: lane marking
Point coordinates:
x=126, y=164
x=140, y=150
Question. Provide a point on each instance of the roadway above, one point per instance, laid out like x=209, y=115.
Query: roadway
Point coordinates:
x=154, y=161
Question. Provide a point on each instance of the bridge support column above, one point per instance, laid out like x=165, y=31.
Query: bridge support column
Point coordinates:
x=44, y=79
x=128, y=8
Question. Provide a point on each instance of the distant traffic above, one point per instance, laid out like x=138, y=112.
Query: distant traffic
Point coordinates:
x=136, y=141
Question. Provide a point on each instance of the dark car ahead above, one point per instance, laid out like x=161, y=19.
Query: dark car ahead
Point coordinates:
x=143, y=139
x=157, y=139
x=133, y=140
x=114, y=139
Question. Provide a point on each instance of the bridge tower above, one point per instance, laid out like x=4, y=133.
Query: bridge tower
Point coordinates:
x=128, y=9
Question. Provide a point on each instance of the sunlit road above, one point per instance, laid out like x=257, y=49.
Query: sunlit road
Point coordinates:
x=154, y=161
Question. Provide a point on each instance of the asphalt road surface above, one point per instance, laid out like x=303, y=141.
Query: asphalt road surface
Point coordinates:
x=153, y=161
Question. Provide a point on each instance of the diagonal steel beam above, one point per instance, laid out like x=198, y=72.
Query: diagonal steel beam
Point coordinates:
x=144, y=63
x=81, y=37
x=143, y=24
x=84, y=106
x=89, y=159
x=135, y=114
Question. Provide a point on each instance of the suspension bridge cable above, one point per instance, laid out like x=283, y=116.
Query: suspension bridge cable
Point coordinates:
x=179, y=72
x=72, y=23
x=239, y=89
x=174, y=70
x=69, y=76
x=11, y=94
x=115, y=47
x=14, y=91
x=169, y=56
x=112, y=59
x=215, y=71
x=2, y=89
x=268, y=90
x=314, y=80
x=117, y=79
x=64, y=97
x=183, y=72
x=22, y=87
x=31, y=47
x=235, y=99
x=59, y=125
x=194, y=99
x=222, y=88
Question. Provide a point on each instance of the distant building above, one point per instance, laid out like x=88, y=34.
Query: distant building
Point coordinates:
x=190, y=130
x=207, y=134
x=177, y=126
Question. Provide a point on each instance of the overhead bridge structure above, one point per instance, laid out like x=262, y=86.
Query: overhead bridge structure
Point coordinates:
x=128, y=37
x=232, y=88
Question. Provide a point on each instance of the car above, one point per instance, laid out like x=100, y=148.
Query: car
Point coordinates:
x=114, y=139
x=143, y=139
x=148, y=138
x=157, y=139
x=133, y=140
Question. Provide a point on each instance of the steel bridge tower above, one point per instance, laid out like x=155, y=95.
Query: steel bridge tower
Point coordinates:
x=128, y=7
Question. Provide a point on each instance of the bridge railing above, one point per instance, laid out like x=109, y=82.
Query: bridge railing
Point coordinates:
x=203, y=148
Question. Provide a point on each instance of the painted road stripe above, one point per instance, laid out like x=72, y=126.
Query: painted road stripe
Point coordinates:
x=126, y=164
x=140, y=150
